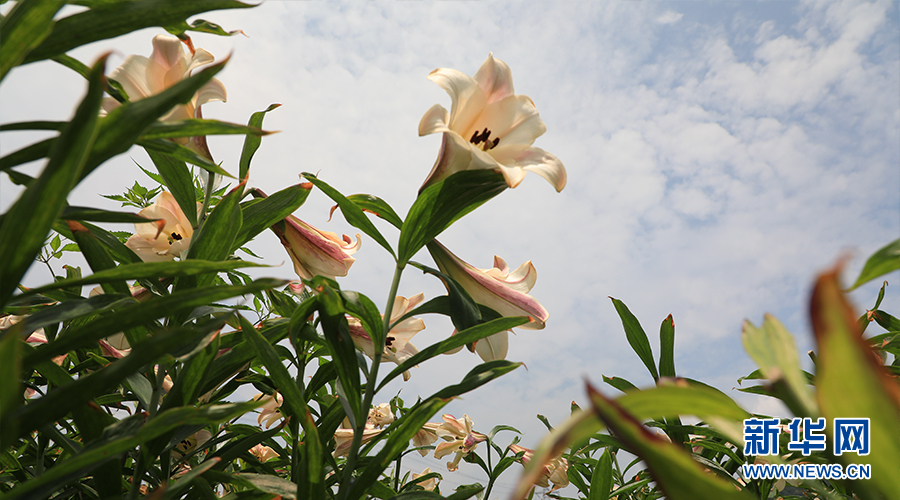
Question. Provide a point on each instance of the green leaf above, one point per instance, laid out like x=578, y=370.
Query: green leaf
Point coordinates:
x=667, y=347
x=181, y=153
x=601, y=481
x=10, y=369
x=636, y=336
x=774, y=350
x=852, y=383
x=620, y=384
x=70, y=309
x=142, y=313
x=376, y=206
x=177, y=177
x=30, y=218
x=96, y=256
x=252, y=142
x=148, y=270
x=98, y=215
x=24, y=28
x=463, y=311
x=197, y=127
x=27, y=154
x=883, y=261
x=296, y=404
x=672, y=401
x=460, y=339
x=200, y=26
x=352, y=213
x=109, y=21
x=675, y=472
x=35, y=125
x=214, y=240
x=443, y=203
x=260, y=214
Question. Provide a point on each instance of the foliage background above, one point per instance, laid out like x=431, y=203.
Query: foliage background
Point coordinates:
x=719, y=154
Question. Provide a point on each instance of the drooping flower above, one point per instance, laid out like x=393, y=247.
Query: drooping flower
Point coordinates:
x=552, y=472
x=425, y=436
x=458, y=438
x=263, y=453
x=315, y=252
x=381, y=415
x=343, y=437
x=428, y=484
x=488, y=127
x=498, y=288
x=142, y=77
x=165, y=239
x=270, y=410
x=397, y=347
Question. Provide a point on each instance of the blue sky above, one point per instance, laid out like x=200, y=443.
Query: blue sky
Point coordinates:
x=719, y=154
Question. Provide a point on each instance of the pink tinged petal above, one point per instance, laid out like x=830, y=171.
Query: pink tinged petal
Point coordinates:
x=436, y=119
x=522, y=279
x=494, y=347
x=495, y=79
x=112, y=351
x=466, y=95
x=544, y=164
x=213, y=90
x=316, y=252
x=446, y=448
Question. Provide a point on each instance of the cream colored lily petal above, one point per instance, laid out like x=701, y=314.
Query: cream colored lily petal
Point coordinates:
x=201, y=57
x=513, y=175
x=495, y=79
x=523, y=278
x=107, y=105
x=514, y=120
x=457, y=155
x=132, y=76
x=167, y=51
x=145, y=250
x=446, y=448
x=544, y=164
x=494, y=347
x=213, y=90
x=467, y=97
x=434, y=120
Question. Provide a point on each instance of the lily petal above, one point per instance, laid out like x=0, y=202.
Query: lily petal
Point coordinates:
x=435, y=120
x=495, y=79
x=494, y=347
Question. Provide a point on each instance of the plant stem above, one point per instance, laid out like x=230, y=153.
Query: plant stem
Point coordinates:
x=211, y=177
x=350, y=464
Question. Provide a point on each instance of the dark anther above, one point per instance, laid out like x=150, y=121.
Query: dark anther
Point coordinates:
x=474, y=139
x=388, y=341
x=496, y=141
x=176, y=236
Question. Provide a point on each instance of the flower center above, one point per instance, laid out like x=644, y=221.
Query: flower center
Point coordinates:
x=484, y=137
x=175, y=237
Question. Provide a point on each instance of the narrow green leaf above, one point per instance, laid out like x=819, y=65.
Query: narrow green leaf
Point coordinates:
x=177, y=177
x=181, y=153
x=464, y=312
x=672, y=401
x=98, y=215
x=378, y=207
x=296, y=404
x=460, y=339
x=352, y=213
x=148, y=270
x=667, y=347
x=252, y=142
x=885, y=260
x=198, y=126
x=27, y=154
x=443, y=203
x=261, y=214
x=851, y=383
x=97, y=257
x=675, y=472
x=774, y=350
x=24, y=28
x=34, y=125
x=69, y=310
x=109, y=21
x=620, y=384
x=636, y=336
x=602, y=481
x=10, y=372
x=142, y=313
x=30, y=218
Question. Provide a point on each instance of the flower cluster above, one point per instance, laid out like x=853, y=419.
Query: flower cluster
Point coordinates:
x=458, y=438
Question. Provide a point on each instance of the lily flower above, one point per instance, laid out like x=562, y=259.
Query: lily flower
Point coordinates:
x=381, y=415
x=142, y=77
x=488, y=127
x=428, y=484
x=459, y=438
x=498, y=288
x=397, y=347
x=343, y=437
x=263, y=453
x=165, y=239
x=270, y=410
x=315, y=252
x=191, y=443
x=425, y=436
x=552, y=472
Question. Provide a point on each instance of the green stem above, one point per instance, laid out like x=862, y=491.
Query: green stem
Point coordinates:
x=350, y=464
x=211, y=177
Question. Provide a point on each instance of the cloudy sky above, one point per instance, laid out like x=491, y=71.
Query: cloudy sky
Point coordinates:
x=719, y=154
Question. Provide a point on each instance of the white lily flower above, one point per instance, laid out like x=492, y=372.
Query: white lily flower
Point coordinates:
x=552, y=472
x=459, y=438
x=270, y=410
x=166, y=238
x=488, y=127
x=397, y=347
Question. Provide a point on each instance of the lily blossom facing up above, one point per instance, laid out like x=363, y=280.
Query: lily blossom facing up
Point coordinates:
x=498, y=288
x=165, y=239
x=554, y=471
x=142, y=77
x=315, y=252
x=488, y=127
x=397, y=347
x=458, y=438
